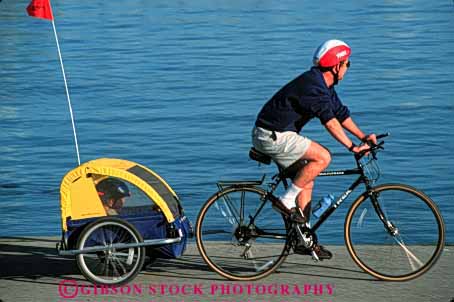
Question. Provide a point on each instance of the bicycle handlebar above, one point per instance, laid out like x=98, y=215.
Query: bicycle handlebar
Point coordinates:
x=383, y=135
x=373, y=147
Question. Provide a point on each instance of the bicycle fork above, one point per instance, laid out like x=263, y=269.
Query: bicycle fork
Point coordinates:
x=389, y=226
x=413, y=260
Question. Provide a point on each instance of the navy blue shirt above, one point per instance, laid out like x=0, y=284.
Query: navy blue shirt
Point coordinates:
x=299, y=101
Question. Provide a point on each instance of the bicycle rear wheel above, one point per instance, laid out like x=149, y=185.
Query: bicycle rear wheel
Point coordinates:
x=240, y=236
x=402, y=246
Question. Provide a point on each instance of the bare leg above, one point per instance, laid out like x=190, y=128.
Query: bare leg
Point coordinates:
x=319, y=159
x=306, y=193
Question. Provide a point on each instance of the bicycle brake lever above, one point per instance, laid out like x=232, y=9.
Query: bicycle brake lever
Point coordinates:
x=380, y=145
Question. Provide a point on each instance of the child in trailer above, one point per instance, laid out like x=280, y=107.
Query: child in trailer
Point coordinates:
x=113, y=193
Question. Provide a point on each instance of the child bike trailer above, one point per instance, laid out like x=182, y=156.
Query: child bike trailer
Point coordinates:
x=116, y=216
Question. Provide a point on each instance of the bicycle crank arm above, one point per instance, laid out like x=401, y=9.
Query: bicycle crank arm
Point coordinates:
x=246, y=250
x=315, y=257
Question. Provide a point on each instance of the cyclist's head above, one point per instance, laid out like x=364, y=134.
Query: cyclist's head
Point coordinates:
x=333, y=56
x=112, y=192
x=331, y=53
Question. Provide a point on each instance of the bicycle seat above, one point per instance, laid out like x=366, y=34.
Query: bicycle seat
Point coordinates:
x=289, y=172
x=256, y=155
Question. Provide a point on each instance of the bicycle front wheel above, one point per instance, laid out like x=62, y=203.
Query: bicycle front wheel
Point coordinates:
x=239, y=234
x=396, y=233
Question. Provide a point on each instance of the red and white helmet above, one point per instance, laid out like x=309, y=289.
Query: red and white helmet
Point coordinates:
x=331, y=53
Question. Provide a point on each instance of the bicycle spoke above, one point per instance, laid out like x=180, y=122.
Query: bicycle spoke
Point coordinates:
x=249, y=255
x=115, y=271
x=214, y=232
x=361, y=218
x=120, y=265
x=122, y=234
x=230, y=206
x=227, y=214
x=242, y=207
x=98, y=264
x=106, y=268
x=411, y=257
x=265, y=266
x=111, y=238
x=103, y=240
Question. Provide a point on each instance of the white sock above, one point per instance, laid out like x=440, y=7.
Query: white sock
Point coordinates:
x=288, y=199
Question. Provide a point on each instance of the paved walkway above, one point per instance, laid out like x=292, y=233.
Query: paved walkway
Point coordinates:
x=30, y=270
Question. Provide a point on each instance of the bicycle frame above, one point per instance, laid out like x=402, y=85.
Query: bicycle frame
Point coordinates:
x=362, y=178
x=357, y=171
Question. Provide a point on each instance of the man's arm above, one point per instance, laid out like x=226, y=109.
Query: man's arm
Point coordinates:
x=335, y=129
x=343, y=115
x=351, y=126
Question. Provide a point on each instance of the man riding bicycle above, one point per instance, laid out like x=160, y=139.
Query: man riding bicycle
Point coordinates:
x=278, y=124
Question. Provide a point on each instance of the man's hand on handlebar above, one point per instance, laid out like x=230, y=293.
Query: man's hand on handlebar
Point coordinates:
x=368, y=141
x=358, y=149
x=371, y=145
x=370, y=138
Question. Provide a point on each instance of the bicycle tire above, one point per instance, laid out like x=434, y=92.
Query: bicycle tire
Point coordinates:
x=408, y=209
x=219, y=246
x=103, y=232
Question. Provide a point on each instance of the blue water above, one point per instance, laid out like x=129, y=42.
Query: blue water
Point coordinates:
x=176, y=86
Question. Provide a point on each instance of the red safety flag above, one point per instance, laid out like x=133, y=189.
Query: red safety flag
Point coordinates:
x=40, y=9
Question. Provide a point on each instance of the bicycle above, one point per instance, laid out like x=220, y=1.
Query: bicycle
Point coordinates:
x=243, y=232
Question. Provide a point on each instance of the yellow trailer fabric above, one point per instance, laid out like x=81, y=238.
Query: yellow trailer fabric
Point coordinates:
x=79, y=198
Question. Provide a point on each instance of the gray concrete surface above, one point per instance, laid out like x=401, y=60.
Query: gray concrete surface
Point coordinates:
x=31, y=270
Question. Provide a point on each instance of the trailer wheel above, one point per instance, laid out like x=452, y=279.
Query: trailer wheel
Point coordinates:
x=112, y=265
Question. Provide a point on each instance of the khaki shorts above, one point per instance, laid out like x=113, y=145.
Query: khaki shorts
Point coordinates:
x=284, y=148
